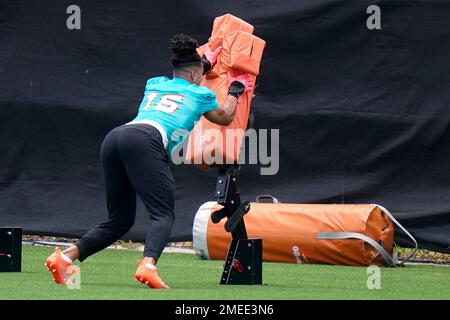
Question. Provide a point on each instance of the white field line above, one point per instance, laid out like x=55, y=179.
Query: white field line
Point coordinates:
x=116, y=247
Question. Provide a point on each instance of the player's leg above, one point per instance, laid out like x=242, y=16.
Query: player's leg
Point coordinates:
x=161, y=206
x=120, y=196
x=159, y=199
x=149, y=172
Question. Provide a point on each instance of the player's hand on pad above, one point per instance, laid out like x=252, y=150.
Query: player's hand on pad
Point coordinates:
x=240, y=84
x=211, y=56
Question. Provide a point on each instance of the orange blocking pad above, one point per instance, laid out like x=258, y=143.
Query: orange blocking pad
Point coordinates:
x=356, y=235
x=241, y=53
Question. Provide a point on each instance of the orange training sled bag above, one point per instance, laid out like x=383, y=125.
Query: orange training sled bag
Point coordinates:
x=241, y=53
x=356, y=235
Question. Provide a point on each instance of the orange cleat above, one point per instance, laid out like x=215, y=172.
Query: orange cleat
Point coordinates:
x=149, y=277
x=60, y=269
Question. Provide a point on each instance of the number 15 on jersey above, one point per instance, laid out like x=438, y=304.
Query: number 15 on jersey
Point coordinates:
x=168, y=103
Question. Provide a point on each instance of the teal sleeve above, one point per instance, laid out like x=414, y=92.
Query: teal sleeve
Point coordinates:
x=209, y=101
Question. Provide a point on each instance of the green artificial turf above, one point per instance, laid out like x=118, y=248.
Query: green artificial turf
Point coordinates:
x=109, y=275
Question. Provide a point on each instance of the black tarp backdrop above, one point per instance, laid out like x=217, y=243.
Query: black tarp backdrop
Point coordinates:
x=363, y=115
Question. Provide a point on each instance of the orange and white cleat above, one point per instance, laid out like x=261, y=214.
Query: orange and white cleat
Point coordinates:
x=149, y=277
x=60, y=269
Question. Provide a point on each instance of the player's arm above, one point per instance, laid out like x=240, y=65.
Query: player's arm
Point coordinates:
x=224, y=114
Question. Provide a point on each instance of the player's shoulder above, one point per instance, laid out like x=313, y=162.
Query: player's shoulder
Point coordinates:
x=156, y=80
x=202, y=91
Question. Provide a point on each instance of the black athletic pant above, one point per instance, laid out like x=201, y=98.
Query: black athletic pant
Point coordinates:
x=134, y=161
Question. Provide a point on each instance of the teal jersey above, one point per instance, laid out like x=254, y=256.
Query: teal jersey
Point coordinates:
x=175, y=105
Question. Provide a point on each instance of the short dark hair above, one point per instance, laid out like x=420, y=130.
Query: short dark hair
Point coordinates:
x=184, y=51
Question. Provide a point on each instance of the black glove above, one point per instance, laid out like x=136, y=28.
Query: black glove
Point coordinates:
x=209, y=58
x=206, y=65
x=236, y=89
